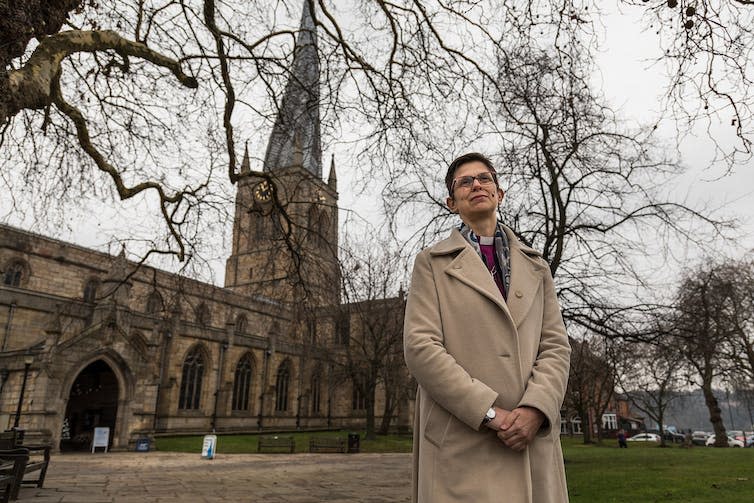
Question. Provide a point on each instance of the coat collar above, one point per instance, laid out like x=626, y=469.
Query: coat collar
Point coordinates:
x=526, y=272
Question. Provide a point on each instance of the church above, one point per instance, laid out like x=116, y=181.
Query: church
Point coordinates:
x=93, y=340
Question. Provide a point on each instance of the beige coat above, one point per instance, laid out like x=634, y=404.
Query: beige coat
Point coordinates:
x=467, y=349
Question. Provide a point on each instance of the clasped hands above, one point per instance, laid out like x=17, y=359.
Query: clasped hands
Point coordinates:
x=518, y=427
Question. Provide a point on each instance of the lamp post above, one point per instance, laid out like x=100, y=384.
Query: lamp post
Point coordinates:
x=27, y=363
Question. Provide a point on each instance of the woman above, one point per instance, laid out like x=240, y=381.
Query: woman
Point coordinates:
x=484, y=338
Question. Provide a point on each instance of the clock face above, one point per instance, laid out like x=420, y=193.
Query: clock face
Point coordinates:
x=263, y=192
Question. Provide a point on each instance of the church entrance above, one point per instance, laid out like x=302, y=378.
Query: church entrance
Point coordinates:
x=93, y=403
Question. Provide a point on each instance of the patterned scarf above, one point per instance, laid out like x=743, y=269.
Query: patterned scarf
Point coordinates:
x=502, y=250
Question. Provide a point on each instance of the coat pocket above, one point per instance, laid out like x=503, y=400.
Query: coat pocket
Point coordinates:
x=436, y=426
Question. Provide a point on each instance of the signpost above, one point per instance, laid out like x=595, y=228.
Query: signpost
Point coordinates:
x=101, y=438
x=208, y=447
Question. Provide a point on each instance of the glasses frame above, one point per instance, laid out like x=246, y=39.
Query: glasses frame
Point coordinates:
x=474, y=177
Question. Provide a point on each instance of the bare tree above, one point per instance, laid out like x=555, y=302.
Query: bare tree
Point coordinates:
x=374, y=306
x=706, y=51
x=702, y=331
x=592, y=382
x=652, y=380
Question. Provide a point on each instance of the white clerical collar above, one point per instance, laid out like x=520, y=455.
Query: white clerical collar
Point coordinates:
x=486, y=240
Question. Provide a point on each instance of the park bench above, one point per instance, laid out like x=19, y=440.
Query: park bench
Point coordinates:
x=18, y=459
x=7, y=484
x=327, y=444
x=276, y=444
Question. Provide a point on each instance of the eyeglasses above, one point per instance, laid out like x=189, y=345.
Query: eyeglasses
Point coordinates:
x=466, y=182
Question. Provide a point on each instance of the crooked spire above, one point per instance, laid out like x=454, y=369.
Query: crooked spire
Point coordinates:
x=295, y=136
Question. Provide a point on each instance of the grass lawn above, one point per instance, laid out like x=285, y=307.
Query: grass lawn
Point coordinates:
x=646, y=473
x=643, y=473
x=236, y=444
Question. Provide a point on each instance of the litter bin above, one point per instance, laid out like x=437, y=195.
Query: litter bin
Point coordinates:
x=353, y=443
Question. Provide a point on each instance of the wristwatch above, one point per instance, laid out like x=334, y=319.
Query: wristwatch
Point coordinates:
x=489, y=416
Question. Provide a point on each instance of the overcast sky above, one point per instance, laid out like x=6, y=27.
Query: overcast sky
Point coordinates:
x=628, y=78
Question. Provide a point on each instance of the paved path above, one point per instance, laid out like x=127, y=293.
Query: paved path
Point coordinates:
x=130, y=477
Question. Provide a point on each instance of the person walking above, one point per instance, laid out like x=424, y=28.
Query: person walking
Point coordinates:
x=485, y=340
x=622, y=439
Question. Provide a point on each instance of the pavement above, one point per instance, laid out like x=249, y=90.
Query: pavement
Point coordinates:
x=130, y=477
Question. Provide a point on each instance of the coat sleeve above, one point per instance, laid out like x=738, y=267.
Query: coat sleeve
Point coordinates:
x=436, y=371
x=547, y=382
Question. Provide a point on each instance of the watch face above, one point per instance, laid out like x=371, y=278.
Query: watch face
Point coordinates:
x=263, y=192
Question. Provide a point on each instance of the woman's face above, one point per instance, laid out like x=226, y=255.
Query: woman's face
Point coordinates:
x=479, y=200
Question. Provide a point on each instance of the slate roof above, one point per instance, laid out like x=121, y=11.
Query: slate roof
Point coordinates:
x=295, y=138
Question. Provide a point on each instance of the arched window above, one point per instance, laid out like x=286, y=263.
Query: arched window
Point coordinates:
x=203, y=315
x=14, y=273
x=191, y=381
x=242, y=325
x=242, y=384
x=281, y=386
x=357, y=399
x=312, y=225
x=154, y=303
x=316, y=387
x=261, y=229
x=90, y=291
x=323, y=228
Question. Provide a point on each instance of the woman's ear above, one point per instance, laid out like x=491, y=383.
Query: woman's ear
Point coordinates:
x=451, y=204
x=500, y=195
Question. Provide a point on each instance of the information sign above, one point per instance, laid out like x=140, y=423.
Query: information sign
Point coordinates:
x=208, y=446
x=101, y=438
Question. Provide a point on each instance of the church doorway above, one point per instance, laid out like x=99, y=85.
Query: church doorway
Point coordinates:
x=92, y=403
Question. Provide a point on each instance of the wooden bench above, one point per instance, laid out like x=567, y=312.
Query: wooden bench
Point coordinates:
x=276, y=444
x=19, y=459
x=7, y=484
x=327, y=444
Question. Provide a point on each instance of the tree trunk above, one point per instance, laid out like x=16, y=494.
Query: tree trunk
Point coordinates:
x=715, y=414
x=370, y=434
x=387, y=412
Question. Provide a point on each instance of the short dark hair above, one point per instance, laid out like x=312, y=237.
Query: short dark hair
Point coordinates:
x=464, y=159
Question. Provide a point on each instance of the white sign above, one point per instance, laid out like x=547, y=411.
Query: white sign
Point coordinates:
x=101, y=438
x=208, y=447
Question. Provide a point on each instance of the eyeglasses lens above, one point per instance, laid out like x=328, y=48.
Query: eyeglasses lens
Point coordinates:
x=466, y=182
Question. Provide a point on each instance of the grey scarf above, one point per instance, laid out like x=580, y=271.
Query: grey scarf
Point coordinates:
x=502, y=251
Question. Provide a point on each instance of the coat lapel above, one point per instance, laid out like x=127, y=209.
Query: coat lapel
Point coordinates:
x=468, y=268
x=526, y=278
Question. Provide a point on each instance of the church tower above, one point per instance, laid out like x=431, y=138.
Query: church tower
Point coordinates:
x=285, y=235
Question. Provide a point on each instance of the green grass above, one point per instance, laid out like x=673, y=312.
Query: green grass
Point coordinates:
x=236, y=444
x=643, y=473
x=646, y=473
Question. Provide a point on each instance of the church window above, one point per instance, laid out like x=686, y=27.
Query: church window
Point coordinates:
x=203, y=315
x=14, y=273
x=281, y=387
x=260, y=226
x=242, y=384
x=311, y=226
x=358, y=402
x=242, y=325
x=343, y=329
x=191, y=381
x=311, y=328
x=322, y=230
x=316, y=387
x=90, y=291
x=154, y=303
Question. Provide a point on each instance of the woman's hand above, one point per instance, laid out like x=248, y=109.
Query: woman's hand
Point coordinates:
x=520, y=426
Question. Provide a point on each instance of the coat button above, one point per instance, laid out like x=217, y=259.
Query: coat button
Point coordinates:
x=457, y=266
x=519, y=294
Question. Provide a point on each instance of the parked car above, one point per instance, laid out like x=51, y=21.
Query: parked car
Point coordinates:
x=673, y=436
x=750, y=440
x=645, y=437
x=699, y=437
x=732, y=442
